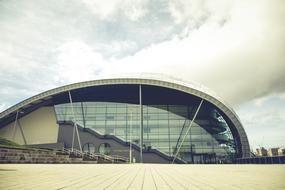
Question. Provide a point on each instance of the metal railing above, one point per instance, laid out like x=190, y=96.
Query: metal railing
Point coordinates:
x=93, y=156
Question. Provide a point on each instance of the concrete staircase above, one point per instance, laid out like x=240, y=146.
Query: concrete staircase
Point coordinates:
x=149, y=153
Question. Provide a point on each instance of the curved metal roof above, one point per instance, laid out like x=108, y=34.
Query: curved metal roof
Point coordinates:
x=147, y=79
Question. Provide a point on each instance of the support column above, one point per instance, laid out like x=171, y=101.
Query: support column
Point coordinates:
x=131, y=131
x=22, y=132
x=83, y=116
x=141, y=124
x=188, y=130
x=15, y=126
x=75, y=129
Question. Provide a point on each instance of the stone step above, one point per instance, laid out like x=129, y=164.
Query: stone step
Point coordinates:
x=33, y=162
x=32, y=158
x=25, y=151
x=37, y=159
x=19, y=156
x=29, y=156
x=46, y=162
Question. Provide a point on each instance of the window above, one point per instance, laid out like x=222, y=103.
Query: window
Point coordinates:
x=89, y=147
x=110, y=117
x=105, y=148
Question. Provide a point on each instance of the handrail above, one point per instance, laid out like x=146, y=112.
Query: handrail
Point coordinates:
x=119, y=140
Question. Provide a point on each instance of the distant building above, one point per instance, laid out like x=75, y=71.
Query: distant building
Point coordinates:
x=273, y=152
x=261, y=151
x=281, y=151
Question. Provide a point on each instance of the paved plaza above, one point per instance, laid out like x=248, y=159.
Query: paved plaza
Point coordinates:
x=141, y=176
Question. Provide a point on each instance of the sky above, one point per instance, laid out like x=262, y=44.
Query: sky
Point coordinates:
x=234, y=47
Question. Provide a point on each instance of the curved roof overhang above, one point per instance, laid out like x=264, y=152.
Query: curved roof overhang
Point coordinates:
x=171, y=83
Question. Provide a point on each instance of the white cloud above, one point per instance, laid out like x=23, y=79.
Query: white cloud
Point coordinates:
x=194, y=13
x=116, y=49
x=281, y=96
x=187, y=10
x=103, y=9
x=240, y=59
x=264, y=121
x=236, y=59
x=261, y=101
x=2, y=106
x=78, y=62
x=132, y=9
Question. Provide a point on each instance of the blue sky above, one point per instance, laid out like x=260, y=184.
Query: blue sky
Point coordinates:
x=234, y=47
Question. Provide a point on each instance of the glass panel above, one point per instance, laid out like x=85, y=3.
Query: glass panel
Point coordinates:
x=105, y=148
x=209, y=139
x=89, y=147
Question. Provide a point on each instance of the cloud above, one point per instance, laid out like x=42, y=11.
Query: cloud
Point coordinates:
x=264, y=122
x=260, y=101
x=195, y=13
x=103, y=9
x=132, y=9
x=3, y=106
x=272, y=98
x=241, y=60
x=233, y=47
x=76, y=61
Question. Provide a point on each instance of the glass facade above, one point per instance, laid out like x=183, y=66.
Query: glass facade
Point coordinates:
x=164, y=126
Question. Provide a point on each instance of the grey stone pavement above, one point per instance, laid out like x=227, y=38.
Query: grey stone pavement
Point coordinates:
x=141, y=176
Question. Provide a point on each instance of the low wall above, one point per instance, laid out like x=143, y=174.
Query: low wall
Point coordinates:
x=262, y=160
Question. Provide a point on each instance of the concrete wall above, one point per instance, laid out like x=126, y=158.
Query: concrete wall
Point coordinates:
x=39, y=127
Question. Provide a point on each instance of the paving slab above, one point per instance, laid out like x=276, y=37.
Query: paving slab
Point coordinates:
x=141, y=176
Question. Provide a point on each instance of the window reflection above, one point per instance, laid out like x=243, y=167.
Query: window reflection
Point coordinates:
x=209, y=140
x=105, y=148
x=88, y=147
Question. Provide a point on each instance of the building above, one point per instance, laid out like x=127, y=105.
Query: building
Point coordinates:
x=152, y=119
x=261, y=152
x=273, y=151
x=281, y=151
